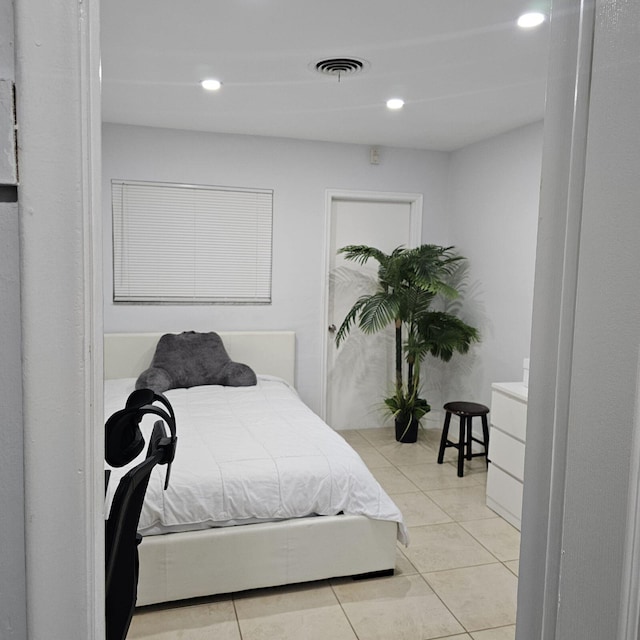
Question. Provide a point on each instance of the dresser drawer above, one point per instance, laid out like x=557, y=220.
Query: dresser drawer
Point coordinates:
x=509, y=414
x=507, y=453
x=504, y=495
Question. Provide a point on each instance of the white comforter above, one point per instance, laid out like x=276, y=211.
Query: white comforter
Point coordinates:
x=251, y=454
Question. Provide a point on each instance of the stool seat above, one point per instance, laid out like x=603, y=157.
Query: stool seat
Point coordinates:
x=466, y=408
x=465, y=411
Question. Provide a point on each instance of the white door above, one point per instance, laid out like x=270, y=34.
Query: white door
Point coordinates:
x=360, y=371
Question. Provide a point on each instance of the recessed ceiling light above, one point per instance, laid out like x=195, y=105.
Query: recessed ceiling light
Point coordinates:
x=395, y=103
x=211, y=84
x=529, y=20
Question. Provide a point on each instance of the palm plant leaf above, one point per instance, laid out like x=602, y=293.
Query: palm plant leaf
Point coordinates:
x=361, y=253
x=350, y=319
x=414, y=302
x=379, y=310
x=393, y=269
x=371, y=313
x=443, y=334
x=433, y=267
x=415, y=347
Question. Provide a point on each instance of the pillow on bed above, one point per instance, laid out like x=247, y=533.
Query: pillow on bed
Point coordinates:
x=190, y=359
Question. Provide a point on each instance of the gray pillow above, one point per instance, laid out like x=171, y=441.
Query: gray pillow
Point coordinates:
x=190, y=359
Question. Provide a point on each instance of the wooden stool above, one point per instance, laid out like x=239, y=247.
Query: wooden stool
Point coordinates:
x=466, y=411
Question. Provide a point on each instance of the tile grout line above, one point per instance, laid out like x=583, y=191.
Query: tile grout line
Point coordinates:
x=444, y=604
x=420, y=574
x=458, y=522
x=235, y=611
x=346, y=615
x=483, y=545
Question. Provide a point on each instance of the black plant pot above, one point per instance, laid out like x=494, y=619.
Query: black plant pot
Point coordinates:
x=406, y=429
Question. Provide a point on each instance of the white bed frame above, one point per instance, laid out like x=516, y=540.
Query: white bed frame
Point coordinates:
x=223, y=560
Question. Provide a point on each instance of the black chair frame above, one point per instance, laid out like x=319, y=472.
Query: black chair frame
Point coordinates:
x=122, y=538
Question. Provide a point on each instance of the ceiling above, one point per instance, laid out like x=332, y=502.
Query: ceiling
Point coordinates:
x=464, y=69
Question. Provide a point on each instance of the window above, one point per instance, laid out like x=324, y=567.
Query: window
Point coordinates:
x=190, y=243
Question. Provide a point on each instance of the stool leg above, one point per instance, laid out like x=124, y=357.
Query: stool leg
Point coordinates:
x=485, y=434
x=461, y=447
x=469, y=438
x=443, y=439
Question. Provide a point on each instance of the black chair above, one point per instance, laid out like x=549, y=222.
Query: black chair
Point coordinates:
x=123, y=442
x=466, y=411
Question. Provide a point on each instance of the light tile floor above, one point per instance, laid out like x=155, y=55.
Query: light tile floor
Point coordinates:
x=456, y=580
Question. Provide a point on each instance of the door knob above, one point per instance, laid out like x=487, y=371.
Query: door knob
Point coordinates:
x=332, y=328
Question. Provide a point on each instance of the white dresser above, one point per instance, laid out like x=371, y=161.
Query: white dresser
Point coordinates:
x=507, y=439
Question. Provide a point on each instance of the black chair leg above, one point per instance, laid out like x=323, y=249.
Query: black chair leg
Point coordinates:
x=443, y=439
x=461, y=447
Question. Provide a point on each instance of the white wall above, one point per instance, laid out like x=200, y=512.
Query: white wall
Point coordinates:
x=12, y=570
x=299, y=172
x=7, y=53
x=579, y=560
x=13, y=617
x=57, y=109
x=494, y=190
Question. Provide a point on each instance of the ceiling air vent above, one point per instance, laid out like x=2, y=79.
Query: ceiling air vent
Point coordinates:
x=340, y=66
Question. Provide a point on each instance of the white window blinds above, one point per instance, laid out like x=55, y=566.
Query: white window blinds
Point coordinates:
x=184, y=243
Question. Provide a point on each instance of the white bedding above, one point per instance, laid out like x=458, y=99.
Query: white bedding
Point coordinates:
x=251, y=454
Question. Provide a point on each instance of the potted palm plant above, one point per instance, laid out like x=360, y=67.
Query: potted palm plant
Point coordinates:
x=409, y=280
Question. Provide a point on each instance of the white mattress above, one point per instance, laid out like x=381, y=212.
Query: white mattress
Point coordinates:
x=251, y=454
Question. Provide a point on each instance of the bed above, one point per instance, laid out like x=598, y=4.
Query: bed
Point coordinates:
x=247, y=550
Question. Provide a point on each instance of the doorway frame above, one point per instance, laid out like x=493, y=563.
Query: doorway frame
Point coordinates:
x=415, y=202
x=45, y=601
x=58, y=115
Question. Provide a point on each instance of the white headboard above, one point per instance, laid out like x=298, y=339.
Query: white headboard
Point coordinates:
x=127, y=355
